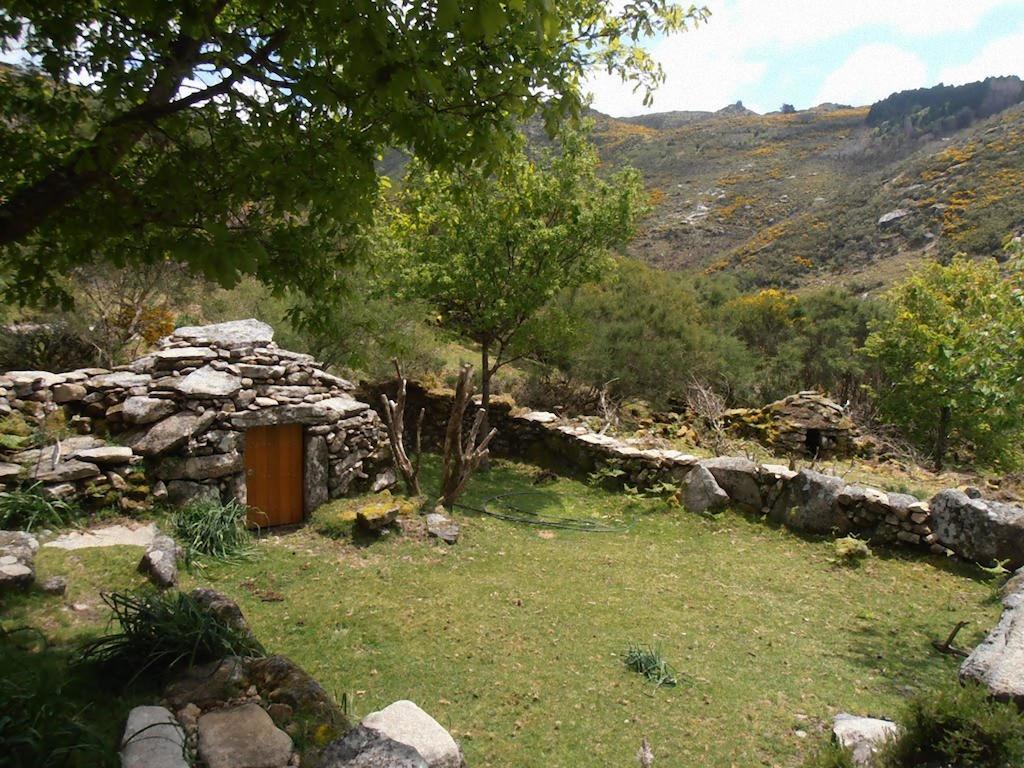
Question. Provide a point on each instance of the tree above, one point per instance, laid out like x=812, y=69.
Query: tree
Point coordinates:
x=491, y=250
x=952, y=355
x=239, y=136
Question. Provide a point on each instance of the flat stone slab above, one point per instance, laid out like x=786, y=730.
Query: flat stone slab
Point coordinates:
x=145, y=410
x=998, y=661
x=153, y=739
x=863, y=736
x=107, y=536
x=172, y=432
x=119, y=379
x=209, y=382
x=107, y=454
x=242, y=737
x=236, y=333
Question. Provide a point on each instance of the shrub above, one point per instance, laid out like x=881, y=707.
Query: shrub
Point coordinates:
x=44, y=347
x=207, y=527
x=25, y=509
x=159, y=631
x=958, y=726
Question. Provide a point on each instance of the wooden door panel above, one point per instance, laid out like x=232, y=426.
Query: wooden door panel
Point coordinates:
x=273, y=467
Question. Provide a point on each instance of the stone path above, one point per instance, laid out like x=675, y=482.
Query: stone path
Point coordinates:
x=107, y=536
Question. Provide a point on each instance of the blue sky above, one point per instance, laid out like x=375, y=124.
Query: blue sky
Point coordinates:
x=804, y=52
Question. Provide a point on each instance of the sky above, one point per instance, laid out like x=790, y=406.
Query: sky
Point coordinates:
x=805, y=52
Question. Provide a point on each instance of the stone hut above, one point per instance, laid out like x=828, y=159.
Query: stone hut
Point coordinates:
x=806, y=423
x=217, y=411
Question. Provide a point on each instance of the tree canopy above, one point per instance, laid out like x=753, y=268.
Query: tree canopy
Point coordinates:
x=239, y=136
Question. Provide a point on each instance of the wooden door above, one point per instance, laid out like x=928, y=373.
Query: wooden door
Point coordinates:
x=273, y=475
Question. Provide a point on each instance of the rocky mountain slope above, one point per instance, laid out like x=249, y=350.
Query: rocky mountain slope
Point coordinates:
x=822, y=196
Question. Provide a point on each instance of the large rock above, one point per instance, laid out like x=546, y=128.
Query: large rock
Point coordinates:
x=809, y=502
x=739, y=478
x=119, y=380
x=406, y=723
x=209, y=382
x=998, y=661
x=985, y=531
x=172, y=432
x=66, y=471
x=105, y=455
x=17, y=560
x=442, y=527
x=200, y=467
x=160, y=563
x=701, y=492
x=863, y=736
x=10, y=472
x=153, y=739
x=236, y=333
x=146, y=410
x=68, y=393
x=181, y=492
x=242, y=737
x=181, y=356
x=316, y=469
x=367, y=748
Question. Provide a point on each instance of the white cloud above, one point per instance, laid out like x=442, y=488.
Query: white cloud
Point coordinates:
x=1003, y=56
x=871, y=73
x=723, y=60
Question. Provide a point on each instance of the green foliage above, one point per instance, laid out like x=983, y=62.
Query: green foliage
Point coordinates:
x=648, y=661
x=208, y=527
x=961, y=726
x=850, y=550
x=951, y=354
x=830, y=755
x=160, y=631
x=44, y=346
x=27, y=509
x=265, y=163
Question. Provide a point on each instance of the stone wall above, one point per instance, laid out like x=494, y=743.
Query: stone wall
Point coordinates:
x=182, y=411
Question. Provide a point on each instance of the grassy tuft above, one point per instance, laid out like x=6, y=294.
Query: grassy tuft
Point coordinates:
x=830, y=755
x=161, y=631
x=25, y=509
x=207, y=527
x=851, y=551
x=648, y=661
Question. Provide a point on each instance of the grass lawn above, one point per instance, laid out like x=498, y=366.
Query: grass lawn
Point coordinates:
x=512, y=638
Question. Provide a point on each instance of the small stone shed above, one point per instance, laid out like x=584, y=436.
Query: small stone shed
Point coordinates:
x=216, y=411
x=806, y=423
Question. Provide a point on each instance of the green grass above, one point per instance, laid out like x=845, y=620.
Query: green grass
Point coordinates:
x=513, y=638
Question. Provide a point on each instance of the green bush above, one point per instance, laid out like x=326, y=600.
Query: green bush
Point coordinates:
x=208, y=527
x=159, y=631
x=25, y=509
x=958, y=726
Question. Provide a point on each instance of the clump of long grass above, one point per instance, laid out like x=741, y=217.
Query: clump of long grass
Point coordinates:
x=208, y=527
x=158, y=631
x=648, y=661
x=25, y=509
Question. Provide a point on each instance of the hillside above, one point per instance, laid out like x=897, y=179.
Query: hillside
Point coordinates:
x=821, y=196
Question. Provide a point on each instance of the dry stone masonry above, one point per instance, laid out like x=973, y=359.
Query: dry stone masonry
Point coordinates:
x=179, y=416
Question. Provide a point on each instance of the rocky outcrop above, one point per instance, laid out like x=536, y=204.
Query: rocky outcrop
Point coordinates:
x=998, y=661
x=986, y=531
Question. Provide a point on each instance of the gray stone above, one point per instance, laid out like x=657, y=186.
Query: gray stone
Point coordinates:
x=302, y=413
x=146, y=410
x=55, y=585
x=366, y=748
x=384, y=480
x=406, y=723
x=181, y=492
x=68, y=393
x=892, y=216
x=160, y=563
x=119, y=380
x=172, y=432
x=442, y=527
x=701, y=493
x=105, y=455
x=29, y=380
x=209, y=382
x=809, y=502
x=261, y=372
x=998, y=661
x=242, y=737
x=66, y=471
x=316, y=472
x=985, y=531
x=10, y=472
x=200, y=467
x=153, y=739
x=739, y=478
x=341, y=407
x=235, y=333
x=377, y=517
x=183, y=355
x=17, y=560
x=863, y=736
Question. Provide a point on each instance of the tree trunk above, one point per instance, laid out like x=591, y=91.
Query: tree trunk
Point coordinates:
x=942, y=436
x=485, y=387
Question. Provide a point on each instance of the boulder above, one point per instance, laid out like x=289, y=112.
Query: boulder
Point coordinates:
x=119, y=380
x=236, y=333
x=242, y=737
x=181, y=492
x=863, y=736
x=68, y=393
x=367, y=748
x=146, y=410
x=209, y=382
x=222, y=607
x=55, y=585
x=200, y=467
x=984, y=531
x=105, y=455
x=701, y=492
x=17, y=560
x=739, y=478
x=66, y=471
x=181, y=356
x=809, y=502
x=406, y=723
x=442, y=527
x=172, y=432
x=207, y=685
x=153, y=739
x=160, y=563
x=998, y=661
x=376, y=516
